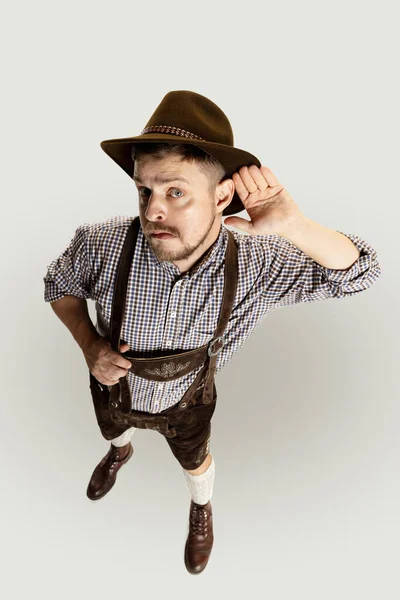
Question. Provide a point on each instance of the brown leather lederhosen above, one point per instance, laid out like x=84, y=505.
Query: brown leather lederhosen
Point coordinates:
x=113, y=407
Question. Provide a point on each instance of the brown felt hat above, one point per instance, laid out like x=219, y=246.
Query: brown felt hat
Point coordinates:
x=190, y=118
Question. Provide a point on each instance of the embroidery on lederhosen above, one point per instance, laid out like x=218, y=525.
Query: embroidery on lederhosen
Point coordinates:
x=167, y=369
x=200, y=456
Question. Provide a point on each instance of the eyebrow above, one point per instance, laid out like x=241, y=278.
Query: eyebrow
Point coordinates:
x=159, y=179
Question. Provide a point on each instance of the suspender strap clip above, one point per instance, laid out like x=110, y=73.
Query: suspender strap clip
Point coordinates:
x=215, y=341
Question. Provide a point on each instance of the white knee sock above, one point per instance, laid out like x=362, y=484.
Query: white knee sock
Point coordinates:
x=201, y=486
x=124, y=438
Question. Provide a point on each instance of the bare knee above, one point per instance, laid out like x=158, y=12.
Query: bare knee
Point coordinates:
x=203, y=467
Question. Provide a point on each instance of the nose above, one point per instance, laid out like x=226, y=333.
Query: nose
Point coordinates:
x=155, y=207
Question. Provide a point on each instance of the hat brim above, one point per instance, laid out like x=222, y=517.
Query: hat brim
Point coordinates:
x=120, y=150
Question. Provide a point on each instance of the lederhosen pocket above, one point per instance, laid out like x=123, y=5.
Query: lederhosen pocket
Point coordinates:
x=191, y=444
x=100, y=396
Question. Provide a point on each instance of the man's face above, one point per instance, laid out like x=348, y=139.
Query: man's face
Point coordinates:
x=182, y=206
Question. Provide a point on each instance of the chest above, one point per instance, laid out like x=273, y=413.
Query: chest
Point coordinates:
x=162, y=313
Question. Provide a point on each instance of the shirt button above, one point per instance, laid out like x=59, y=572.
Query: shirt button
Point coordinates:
x=173, y=314
x=169, y=341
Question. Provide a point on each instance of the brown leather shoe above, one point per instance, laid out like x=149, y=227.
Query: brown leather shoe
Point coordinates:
x=200, y=538
x=104, y=475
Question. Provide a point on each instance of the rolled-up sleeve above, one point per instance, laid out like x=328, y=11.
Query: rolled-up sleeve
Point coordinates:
x=292, y=276
x=69, y=274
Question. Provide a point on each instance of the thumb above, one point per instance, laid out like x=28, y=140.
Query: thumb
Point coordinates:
x=123, y=347
x=239, y=223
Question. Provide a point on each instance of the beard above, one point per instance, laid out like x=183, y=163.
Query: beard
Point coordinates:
x=184, y=251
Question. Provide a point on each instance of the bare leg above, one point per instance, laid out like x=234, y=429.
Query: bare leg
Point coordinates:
x=203, y=467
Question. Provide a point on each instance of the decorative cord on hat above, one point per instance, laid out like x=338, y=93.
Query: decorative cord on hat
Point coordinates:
x=171, y=129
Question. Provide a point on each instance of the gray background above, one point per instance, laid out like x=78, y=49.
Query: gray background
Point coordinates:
x=305, y=434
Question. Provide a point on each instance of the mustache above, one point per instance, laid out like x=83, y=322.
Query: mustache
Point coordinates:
x=160, y=231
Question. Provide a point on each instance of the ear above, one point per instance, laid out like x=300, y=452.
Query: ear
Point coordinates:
x=224, y=193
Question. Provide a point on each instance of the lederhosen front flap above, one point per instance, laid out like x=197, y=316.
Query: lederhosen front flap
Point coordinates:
x=167, y=368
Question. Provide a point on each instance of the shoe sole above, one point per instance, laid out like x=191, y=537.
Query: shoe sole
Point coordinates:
x=125, y=460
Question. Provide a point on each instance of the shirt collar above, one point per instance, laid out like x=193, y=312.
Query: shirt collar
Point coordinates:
x=197, y=268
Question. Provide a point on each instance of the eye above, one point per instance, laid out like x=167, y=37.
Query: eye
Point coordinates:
x=177, y=189
x=144, y=192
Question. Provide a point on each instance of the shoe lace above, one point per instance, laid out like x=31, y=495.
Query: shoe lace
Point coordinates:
x=112, y=458
x=198, y=521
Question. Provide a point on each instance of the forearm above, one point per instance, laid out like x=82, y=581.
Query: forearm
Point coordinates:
x=327, y=247
x=73, y=312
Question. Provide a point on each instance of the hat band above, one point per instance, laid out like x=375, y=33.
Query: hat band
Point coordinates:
x=171, y=129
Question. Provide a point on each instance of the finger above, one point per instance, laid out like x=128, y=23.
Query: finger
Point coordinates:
x=269, y=176
x=248, y=180
x=258, y=177
x=115, y=377
x=109, y=382
x=106, y=380
x=120, y=361
x=241, y=189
